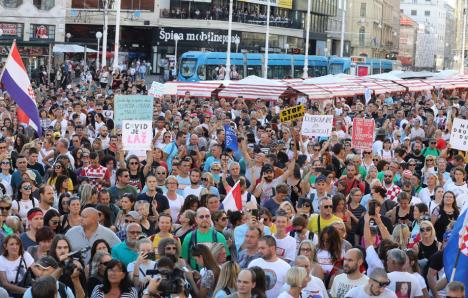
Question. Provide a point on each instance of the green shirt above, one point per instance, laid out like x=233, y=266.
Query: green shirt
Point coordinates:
x=206, y=238
x=124, y=254
x=428, y=151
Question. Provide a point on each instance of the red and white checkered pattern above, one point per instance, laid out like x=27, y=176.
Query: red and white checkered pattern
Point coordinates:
x=93, y=174
x=197, y=89
x=393, y=192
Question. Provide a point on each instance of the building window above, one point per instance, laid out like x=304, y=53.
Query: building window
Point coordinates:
x=363, y=10
x=427, y=13
x=362, y=37
x=42, y=32
x=11, y=3
x=11, y=31
x=44, y=4
x=414, y=13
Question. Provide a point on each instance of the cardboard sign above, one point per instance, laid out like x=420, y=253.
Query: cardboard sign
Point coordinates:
x=109, y=114
x=132, y=107
x=317, y=125
x=292, y=113
x=137, y=134
x=459, y=134
x=363, y=133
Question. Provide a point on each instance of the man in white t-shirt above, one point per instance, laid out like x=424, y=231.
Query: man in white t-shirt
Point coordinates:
x=315, y=287
x=195, y=188
x=375, y=288
x=275, y=268
x=352, y=276
x=285, y=244
x=404, y=284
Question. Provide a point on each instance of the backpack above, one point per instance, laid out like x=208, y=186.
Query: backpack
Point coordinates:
x=193, y=241
x=19, y=206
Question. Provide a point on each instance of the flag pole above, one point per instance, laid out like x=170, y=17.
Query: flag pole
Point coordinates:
x=454, y=270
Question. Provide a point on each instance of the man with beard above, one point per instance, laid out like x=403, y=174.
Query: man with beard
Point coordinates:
x=126, y=251
x=195, y=188
x=46, y=193
x=375, y=288
x=416, y=154
x=274, y=267
x=204, y=234
x=265, y=188
x=352, y=276
x=393, y=190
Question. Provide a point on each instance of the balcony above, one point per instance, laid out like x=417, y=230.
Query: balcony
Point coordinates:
x=238, y=17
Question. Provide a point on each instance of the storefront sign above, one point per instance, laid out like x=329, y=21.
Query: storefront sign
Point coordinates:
x=42, y=32
x=459, y=134
x=317, y=125
x=137, y=134
x=363, y=133
x=292, y=113
x=278, y=3
x=133, y=107
x=11, y=31
x=188, y=36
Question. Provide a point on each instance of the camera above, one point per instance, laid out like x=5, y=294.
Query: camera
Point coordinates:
x=68, y=265
x=172, y=281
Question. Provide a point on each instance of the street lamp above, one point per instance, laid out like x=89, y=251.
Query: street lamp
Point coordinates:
x=176, y=40
x=98, y=36
x=68, y=35
x=237, y=41
x=227, y=75
x=306, y=57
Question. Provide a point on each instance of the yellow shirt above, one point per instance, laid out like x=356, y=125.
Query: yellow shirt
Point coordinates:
x=313, y=222
x=52, y=181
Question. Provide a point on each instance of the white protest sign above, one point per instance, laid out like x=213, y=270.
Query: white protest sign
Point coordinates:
x=137, y=134
x=317, y=125
x=367, y=95
x=459, y=134
x=109, y=114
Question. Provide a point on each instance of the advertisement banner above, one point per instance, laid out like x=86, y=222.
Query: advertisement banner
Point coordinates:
x=137, y=134
x=459, y=134
x=278, y=3
x=292, y=113
x=317, y=125
x=132, y=107
x=165, y=36
x=363, y=133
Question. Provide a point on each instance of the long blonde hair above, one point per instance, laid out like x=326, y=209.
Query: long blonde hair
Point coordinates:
x=401, y=235
x=227, y=276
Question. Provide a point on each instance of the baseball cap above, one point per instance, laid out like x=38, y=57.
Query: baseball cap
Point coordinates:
x=31, y=175
x=47, y=262
x=320, y=178
x=135, y=215
x=267, y=168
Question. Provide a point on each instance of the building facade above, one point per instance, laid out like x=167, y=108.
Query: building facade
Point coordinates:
x=373, y=27
x=457, y=48
x=334, y=28
x=148, y=27
x=431, y=17
x=35, y=24
x=408, y=39
x=450, y=36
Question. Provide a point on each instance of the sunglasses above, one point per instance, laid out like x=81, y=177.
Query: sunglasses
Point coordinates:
x=5, y=163
x=215, y=169
x=375, y=159
x=224, y=218
x=129, y=221
x=412, y=164
x=428, y=229
x=204, y=216
x=27, y=187
x=328, y=206
x=388, y=176
x=381, y=284
x=204, y=179
x=105, y=263
x=54, y=222
x=5, y=208
x=58, y=167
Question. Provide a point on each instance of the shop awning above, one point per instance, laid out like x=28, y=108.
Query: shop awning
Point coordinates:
x=254, y=87
x=337, y=86
x=312, y=91
x=71, y=48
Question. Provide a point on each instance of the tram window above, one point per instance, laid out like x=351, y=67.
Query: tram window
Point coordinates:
x=202, y=72
x=254, y=71
x=187, y=68
x=279, y=71
x=336, y=68
x=317, y=71
x=212, y=72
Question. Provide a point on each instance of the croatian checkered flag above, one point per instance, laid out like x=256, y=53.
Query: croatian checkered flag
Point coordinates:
x=463, y=237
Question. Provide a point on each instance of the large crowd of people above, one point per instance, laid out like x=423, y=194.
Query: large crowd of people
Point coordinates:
x=82, y=217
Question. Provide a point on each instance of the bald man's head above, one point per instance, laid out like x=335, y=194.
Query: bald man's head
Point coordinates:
x=89, y=218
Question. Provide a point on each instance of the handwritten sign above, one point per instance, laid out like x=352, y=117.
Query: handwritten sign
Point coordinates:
x=459, y=134
x=132, y=107
x=363, y=133
x=292, y=113
x=137, y=134
x=317, y=125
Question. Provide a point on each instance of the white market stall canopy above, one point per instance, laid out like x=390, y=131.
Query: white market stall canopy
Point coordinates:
x=71, y=48
x=253, y=87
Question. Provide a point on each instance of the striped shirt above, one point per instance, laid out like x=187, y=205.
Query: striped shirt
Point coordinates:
x=98, y=293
